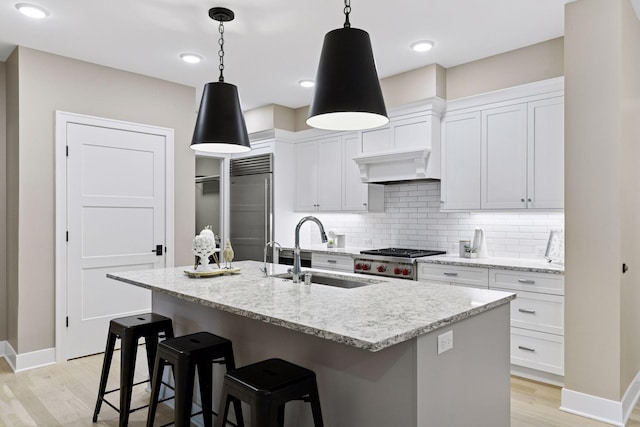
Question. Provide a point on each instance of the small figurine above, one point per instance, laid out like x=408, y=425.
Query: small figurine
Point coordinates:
x=204, y=245
x=228, y=254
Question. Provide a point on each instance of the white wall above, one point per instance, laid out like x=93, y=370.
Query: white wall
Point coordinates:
x=412, y=219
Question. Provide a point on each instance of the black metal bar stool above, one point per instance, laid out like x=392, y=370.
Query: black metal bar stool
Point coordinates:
x=185, y=353
x=149, y=326
x=267, y=386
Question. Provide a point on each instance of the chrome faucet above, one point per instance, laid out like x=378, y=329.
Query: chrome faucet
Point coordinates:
x=273, y=244
x=296, y=250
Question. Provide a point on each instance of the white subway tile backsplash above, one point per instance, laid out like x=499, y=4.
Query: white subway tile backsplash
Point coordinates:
x=412, y=218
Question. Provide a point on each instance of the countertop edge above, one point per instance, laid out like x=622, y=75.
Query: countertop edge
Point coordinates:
x=320, y=333
x=488, y=264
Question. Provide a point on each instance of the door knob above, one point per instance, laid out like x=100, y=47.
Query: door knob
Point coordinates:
x=158, y=250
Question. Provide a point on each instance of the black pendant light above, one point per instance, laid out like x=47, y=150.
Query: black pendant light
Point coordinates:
x=220, y=126
x=347, y=92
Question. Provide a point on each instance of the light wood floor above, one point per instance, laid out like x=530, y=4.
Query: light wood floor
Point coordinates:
x=64, y=395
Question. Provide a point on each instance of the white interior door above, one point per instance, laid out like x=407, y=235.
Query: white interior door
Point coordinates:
x=115, y=220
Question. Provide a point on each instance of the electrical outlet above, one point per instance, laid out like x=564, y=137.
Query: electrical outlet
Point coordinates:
x=540, y=250
x=367, y=243
x=445, y=342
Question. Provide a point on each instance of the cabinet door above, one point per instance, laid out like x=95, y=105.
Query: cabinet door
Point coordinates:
x=306, y=167
x=460, y=186
x=354, y=194
x=376, y=140
x=546, y=154
x=504, y=157
x=330, y=174
x=411, y=133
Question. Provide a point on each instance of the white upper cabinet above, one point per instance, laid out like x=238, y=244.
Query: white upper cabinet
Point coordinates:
x=306, y=165
x=504, y=157
x=330, y=174
x=460, y=186
x=546, y=154
x=512, y=143
x=327, y=178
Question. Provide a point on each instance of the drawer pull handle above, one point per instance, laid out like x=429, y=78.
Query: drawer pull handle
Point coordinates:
x=332, y=261
x=450, y=274
x=527, y=281
x=526, y=310
x=521, y=347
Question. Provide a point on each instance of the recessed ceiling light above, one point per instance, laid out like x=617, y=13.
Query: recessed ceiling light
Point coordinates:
x=307, y=83
x=422, y=45
x=32, y=11
x=191, y=58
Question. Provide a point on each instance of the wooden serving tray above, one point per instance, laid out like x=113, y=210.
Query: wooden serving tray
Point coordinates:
x=215, y=272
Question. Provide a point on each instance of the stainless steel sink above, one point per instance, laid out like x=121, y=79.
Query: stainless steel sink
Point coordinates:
x=339, y=281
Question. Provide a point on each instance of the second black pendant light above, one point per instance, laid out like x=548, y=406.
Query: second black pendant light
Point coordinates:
x=347, y=91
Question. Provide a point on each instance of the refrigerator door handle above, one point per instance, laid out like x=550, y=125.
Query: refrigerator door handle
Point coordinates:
x=266, y=211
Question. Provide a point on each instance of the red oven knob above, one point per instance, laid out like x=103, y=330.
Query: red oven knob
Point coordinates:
x=406, y=272
x=366, y=267
x=382, y=269
x=397, y=270
x=358, y=266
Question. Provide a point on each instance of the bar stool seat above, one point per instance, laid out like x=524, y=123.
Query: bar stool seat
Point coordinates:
x=267, y=386
x=184, y=354
x=130, y=329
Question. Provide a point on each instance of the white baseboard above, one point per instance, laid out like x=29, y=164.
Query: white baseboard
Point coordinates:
x=605, y=410
x=26, y=361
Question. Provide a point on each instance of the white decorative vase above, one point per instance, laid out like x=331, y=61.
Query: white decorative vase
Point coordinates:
x=204, y=245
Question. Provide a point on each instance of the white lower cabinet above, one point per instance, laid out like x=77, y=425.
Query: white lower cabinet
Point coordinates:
x=536, y=350
x=537, y=318
x=537, y=313
x=342, y=262
x=455, y=275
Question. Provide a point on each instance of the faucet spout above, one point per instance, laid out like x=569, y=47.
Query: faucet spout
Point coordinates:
x=273, y=244
x=296, y=251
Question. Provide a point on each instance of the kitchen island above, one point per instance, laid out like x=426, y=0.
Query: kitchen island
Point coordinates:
x=374, y=348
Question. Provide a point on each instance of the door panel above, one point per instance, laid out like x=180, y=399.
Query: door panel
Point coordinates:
x=115, y=218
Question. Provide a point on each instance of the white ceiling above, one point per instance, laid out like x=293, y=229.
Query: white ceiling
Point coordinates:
x=272, y=44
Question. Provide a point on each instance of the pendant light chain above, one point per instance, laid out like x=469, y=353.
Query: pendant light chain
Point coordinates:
x=347, y=11
x=221, y=51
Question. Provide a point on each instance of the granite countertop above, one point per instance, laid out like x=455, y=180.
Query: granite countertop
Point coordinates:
x=385, y=313
x=518, y=264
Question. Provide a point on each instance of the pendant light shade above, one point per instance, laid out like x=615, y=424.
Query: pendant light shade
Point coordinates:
x=347, y=93
x=220, y=127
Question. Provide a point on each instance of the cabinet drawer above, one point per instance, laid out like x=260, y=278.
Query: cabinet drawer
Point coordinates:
x=332, y=262
x=537, y=350
x=476, y=277
x=525, y=281
x=539, y=312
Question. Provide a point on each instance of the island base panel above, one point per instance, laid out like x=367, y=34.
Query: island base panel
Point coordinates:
x=406, y=385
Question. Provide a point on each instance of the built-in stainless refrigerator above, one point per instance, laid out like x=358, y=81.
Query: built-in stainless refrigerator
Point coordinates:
x=251, y=206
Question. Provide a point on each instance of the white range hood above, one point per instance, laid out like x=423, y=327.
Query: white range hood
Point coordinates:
x=408, y=148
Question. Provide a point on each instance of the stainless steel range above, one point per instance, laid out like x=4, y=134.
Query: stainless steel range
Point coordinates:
x=391, y=262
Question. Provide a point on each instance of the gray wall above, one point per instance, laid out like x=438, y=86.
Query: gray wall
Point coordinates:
x=602, y=197
x=79, y=87
x=3, y=205
x=12, y=170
